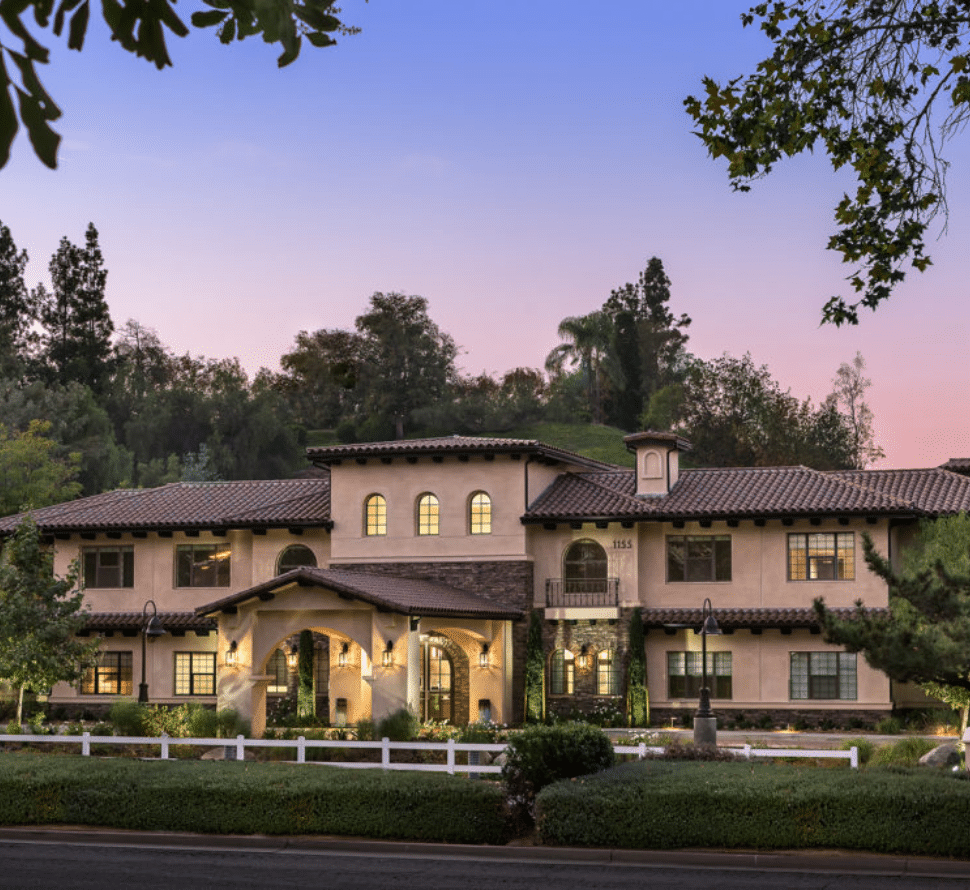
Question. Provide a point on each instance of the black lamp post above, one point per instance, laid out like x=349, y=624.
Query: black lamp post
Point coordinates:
x=708, y=626
x=151, y=630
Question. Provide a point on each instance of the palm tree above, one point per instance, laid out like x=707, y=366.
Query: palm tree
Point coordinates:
x=588, y=341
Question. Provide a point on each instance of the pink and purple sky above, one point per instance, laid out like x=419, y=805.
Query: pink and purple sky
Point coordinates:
x=512, y=164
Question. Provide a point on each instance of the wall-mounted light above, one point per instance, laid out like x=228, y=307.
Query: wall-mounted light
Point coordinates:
x=483, y=656
x=584, y=658
x=293, y=659
x=388, y=658
x=232, y=653
x=342, y=656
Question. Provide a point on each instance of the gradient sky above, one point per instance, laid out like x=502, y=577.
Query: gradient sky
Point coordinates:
x=512, y=163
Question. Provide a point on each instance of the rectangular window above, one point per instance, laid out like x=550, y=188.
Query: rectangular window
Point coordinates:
x=698, y=557
x=195, y=673
x=684, y=674
x=821, y=556
x=108, y=566
x=823, y=675
x=202, y=565
x=110, y=676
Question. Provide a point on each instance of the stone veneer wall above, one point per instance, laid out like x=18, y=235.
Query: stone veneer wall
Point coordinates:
x=508, y=583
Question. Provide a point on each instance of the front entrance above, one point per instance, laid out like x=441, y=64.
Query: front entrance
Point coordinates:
x=437, y=680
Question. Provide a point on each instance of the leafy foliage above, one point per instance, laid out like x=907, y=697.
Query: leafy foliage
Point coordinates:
x=18, y=309
x=535, y=672
x=637, y=692
x=881, y=87
x=306, y=693
x=850, y=395
x=399, y=726
x=139, y=28
x=30, y=474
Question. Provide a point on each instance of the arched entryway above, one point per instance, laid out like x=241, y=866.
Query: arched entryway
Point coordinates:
x=443, y=687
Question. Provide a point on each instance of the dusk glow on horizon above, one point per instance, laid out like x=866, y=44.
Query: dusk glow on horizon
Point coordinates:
x=512, y=170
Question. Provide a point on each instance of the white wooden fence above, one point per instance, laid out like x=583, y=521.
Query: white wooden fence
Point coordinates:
x=236, y=749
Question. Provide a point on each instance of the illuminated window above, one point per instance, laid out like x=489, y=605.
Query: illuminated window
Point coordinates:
x=427, y=514
x=195, y=673
x=480, y=514
x=375, y=515
x=278, y=669
x=108, y=566
x=685, y=674
x=293, y=557
x=823, y=675
x=607, y=676
x=202, y=565
x=562, y=672
x=698, y=557
x=110, y=676
x=821, y=556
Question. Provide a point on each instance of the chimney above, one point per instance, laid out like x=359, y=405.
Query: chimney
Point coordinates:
x=658, y=461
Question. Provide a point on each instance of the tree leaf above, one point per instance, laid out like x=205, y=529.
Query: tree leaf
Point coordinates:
x=79, y=27
x=44, y=140
x=208, y=19
x=8, y=115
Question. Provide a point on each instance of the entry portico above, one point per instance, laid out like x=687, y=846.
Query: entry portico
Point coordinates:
x=392, y=643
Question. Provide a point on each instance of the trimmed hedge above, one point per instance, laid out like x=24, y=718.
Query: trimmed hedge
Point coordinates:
x=249, y=798
x=667, y=805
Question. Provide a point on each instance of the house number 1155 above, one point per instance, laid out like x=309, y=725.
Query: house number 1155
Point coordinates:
x=623, y=544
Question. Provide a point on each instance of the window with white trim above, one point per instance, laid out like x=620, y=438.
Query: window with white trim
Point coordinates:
x=824, y=675
x=108, y=566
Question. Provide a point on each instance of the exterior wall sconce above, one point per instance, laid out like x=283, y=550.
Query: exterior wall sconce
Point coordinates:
x=232, y=653
x=388, y=658
x=483, y=656
x=584, y=658
x=342, y=656
x=293, y=659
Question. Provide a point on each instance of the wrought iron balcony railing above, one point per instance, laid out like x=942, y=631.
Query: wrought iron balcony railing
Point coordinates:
x=566, y=592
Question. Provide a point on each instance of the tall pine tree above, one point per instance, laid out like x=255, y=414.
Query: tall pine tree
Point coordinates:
x=18, y=309
x=77, y=325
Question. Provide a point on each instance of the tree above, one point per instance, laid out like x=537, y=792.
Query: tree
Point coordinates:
x=30, y=475
x=587, y=344
x=881, y=87
x=18, y=309
x=139, y=28
x=924, y=636
x=850, y=394
x=78, y=327
x=40, y=616
x=306, y=694
x=535, y=672
x=637, y=693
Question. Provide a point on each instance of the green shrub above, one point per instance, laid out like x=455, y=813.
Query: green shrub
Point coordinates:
x=102, y=729
x=399, y=726
x=889, y=726
x=365, y=730
x=540, y=755
x=905, y=752
x=229, y=724
x=201, y=723
x=14, y=728
x=129, y=717
x=865, y=746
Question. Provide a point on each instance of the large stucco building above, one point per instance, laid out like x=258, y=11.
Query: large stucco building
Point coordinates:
x=416, y=564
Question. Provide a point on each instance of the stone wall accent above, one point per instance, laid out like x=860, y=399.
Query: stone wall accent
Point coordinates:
x=459, y=677
x=509, y=583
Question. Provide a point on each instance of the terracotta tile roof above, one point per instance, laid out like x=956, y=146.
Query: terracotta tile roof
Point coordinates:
x=738, y=619
x=135, y=621
x=406, y=596
x=723, y=492
x=934, y=492
x=278, y=503
x=957, y=465
x=451, y=445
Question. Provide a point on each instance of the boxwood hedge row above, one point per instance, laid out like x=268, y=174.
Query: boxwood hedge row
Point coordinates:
x=666, y=805
x=247, y=798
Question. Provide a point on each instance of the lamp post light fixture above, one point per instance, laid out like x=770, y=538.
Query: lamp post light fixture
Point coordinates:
x=705, y=723
x=151, y=630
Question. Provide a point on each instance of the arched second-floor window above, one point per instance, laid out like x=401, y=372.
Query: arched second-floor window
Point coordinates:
x=562, y=672
x=375, y=515
x=295, y=556
x=607, y=676
x=480, y=513
x=427, y=514
x=584, y=568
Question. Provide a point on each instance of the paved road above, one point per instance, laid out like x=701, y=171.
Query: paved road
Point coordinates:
x=126, y=862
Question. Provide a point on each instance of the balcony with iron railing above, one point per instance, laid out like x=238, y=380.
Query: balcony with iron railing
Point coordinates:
x=582, y=593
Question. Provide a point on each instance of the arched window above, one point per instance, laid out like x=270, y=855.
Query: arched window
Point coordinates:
x=295, y=556
x=607, y=678
x=375, y=515
x=437, y=673
x=584, y=568
x=480, y=513
x=562, y=672
x=427, y=518
x=279, y=671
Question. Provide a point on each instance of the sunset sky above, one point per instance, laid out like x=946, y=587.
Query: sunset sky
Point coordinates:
x=512, y=163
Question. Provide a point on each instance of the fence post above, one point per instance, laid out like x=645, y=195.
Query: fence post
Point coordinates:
x=86, y=744
x=747, y=752
x=385, y=752
x=642, y=751
x=451, y=757
x=854, y=757
x=240, y=747
x=164, y=746
x=301, y=749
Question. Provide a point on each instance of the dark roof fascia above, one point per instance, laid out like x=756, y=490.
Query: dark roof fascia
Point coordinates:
x=718, y=517
x=97, y=622
x=304, y=577
x=746, y=619
x=171, y=528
